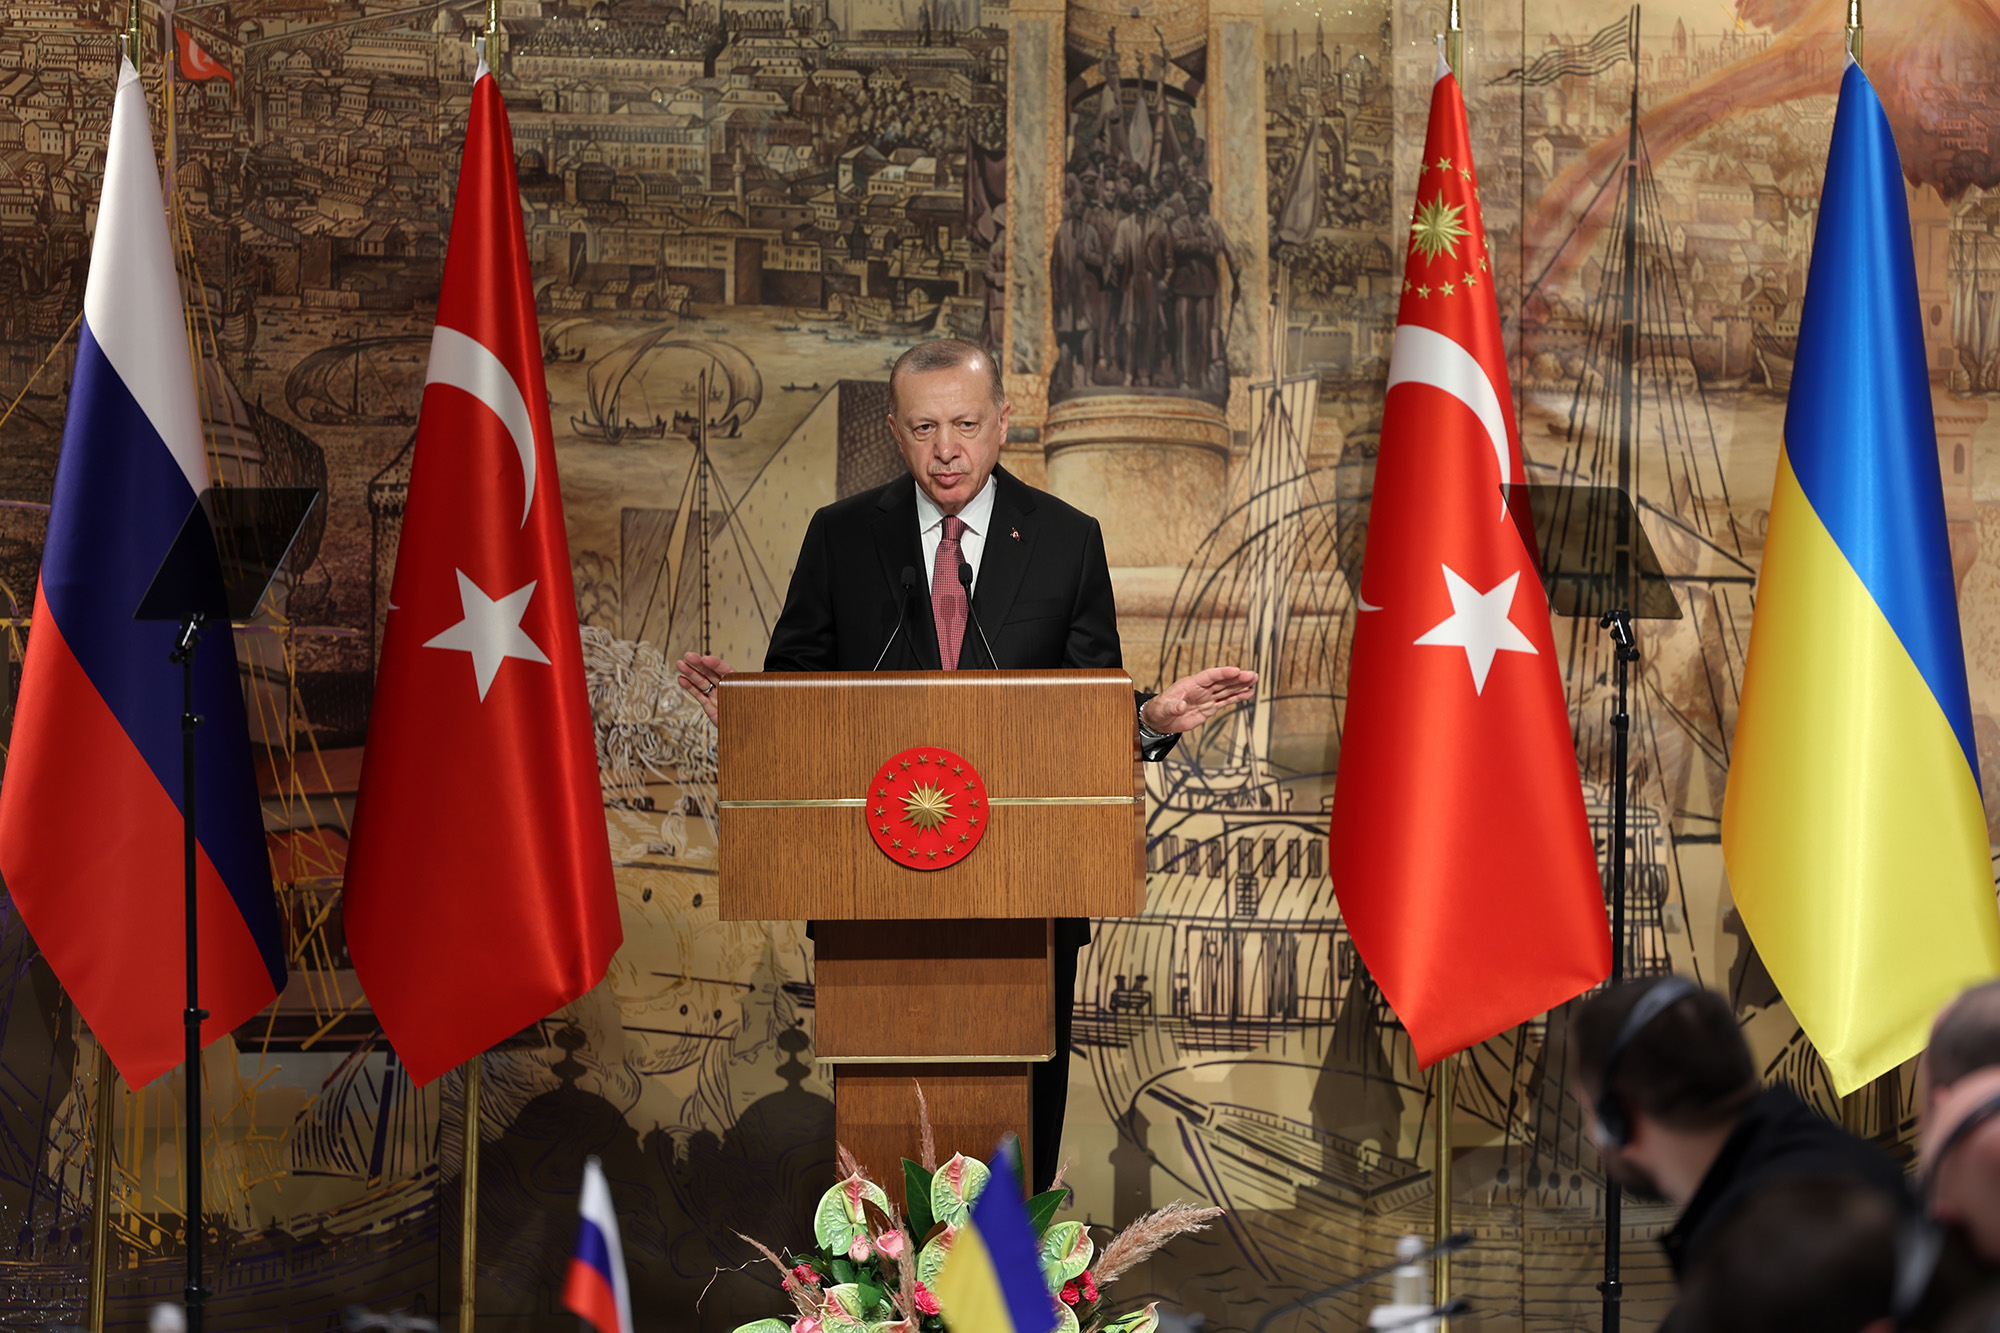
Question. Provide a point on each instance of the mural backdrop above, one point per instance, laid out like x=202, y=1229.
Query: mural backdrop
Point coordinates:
x=1182, y=225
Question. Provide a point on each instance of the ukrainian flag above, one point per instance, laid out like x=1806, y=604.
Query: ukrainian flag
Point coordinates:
x=1853, y=830
x=992, y=1280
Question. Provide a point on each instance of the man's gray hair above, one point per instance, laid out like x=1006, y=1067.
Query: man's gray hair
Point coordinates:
x=946, y=354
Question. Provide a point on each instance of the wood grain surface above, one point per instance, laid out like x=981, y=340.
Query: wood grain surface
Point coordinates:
x=1033, y=734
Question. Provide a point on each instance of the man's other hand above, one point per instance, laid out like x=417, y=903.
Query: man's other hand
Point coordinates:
x=699, y=676
x=1193, y=700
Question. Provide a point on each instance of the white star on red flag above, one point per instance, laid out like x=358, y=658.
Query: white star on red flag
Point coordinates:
x=491, y=631
x=1479, y=624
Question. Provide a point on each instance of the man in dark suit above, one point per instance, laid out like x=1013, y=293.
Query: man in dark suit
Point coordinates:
x=1040, y=591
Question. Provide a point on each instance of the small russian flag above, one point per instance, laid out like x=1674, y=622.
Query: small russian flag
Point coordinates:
x=596, y=1288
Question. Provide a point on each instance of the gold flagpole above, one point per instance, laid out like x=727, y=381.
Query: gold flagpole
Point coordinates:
x=1446, y=1102
x=129, y=44
x=105, y=1086
x=468, y=1222
x=1446, y=1089
x=1854, y=30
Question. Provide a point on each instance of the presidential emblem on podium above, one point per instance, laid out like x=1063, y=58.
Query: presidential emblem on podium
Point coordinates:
x=927, y=808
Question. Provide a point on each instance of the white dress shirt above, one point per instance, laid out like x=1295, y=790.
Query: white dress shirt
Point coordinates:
x=978, y=516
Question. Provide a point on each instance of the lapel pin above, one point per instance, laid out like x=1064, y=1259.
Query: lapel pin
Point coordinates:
x=1015, y=533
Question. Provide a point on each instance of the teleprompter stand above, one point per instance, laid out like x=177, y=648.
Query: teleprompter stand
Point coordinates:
x=1597, y=564
x=221, y=561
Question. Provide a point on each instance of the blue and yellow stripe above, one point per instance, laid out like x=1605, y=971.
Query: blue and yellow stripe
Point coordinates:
x=992, y=1281
x=1853, y=830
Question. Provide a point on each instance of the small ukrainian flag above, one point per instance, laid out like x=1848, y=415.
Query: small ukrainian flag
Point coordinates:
x=992, y=1280
x=1853, y=829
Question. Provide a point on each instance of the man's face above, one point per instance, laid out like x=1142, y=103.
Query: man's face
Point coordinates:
x=949, y=429
x=1620, y=1164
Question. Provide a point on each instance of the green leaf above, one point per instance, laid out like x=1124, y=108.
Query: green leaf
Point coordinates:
x=1042, y=1209
x=1068, y=1324
x=917, y=1189
x=841, y=1217
x=955, y=1187
x=1066, y=1251
x=1139, y=1321
x=764, y=1326
x=932, y=1257
x=874, y=1301
x=843, y=1270
x=847, y=1296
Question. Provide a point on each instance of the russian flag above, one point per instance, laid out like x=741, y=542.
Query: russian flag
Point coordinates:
x=1853, y=829
x=596, y=1288
x=90, y=813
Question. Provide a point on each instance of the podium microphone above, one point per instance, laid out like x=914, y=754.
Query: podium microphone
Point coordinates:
x=965, y=581
x=909, y=581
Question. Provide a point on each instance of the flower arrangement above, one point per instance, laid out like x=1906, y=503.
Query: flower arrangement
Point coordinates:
x=874, y=1272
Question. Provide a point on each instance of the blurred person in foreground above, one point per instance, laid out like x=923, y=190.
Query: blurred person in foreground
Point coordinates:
x=1965, y=1037
x=1673, y=1101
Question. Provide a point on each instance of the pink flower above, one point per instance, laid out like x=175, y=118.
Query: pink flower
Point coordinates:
x=1089, y=1288
x=891, y=1244
x=806, y=1275
x=807, y=1325
x=860, y=1251
x=926, y=1302
x=1069, y=1294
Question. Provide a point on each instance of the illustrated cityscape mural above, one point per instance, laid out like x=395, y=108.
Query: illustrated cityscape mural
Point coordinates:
x=1181, y=227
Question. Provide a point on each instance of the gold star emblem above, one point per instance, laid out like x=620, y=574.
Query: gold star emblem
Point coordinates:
x=1472, y=279
x=885, y=827
x=1436, y=229
x=1446, y=288
x=897, y=843
x=884, y=793
x=972, y=820
x=878, y=812
x=923, y=759
x=932, y=855
x=1424, y=292
x=926, y=807
x=1482, y=264
x=962, y=837
x=958, y=770
x=1444, y=164
x=1409, y=286
x=906, y=765
x=974, y=805
x=1465, y=172
x=968, y=786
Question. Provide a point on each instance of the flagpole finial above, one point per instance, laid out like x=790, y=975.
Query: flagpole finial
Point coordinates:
x=1854, y=30
x=1454, y=42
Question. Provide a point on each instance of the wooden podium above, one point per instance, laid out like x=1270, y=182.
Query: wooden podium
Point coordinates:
x=939, y=975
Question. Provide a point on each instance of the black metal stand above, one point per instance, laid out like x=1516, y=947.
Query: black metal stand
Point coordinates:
x=185, y=643
x=1625, y=651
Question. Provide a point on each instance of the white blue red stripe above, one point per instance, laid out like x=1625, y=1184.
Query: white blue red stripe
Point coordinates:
x=90, y=814
x=596, y=1288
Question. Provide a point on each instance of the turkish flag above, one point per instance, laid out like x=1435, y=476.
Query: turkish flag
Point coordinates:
x=479, y=896
x=1460, y=851
x=197, y=64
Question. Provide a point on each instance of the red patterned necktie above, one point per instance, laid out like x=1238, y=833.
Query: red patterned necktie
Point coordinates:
x=948, y=594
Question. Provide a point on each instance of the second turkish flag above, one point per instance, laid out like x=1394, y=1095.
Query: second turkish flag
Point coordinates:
x=1460, y=851
x=479, y=896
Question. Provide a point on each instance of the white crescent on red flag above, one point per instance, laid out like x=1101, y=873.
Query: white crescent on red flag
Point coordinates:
x=197, y=63
x=479, y=895
x=1460, y=852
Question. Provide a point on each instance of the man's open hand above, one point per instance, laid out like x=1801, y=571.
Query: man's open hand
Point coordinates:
x=1193, y=700
x=699, y=676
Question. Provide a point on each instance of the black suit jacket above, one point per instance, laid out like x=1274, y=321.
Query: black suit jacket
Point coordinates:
x=1043, y=594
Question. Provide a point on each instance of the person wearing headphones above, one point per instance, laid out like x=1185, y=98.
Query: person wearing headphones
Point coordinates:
x=1673, y=1101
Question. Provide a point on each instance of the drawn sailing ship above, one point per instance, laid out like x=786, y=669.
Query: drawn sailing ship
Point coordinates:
x=611, y=379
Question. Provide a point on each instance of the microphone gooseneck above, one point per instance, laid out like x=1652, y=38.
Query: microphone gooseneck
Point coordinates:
x=909, y=581
x=965, y=581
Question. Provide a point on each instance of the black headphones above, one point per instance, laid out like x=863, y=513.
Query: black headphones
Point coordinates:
x=1663, y=995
